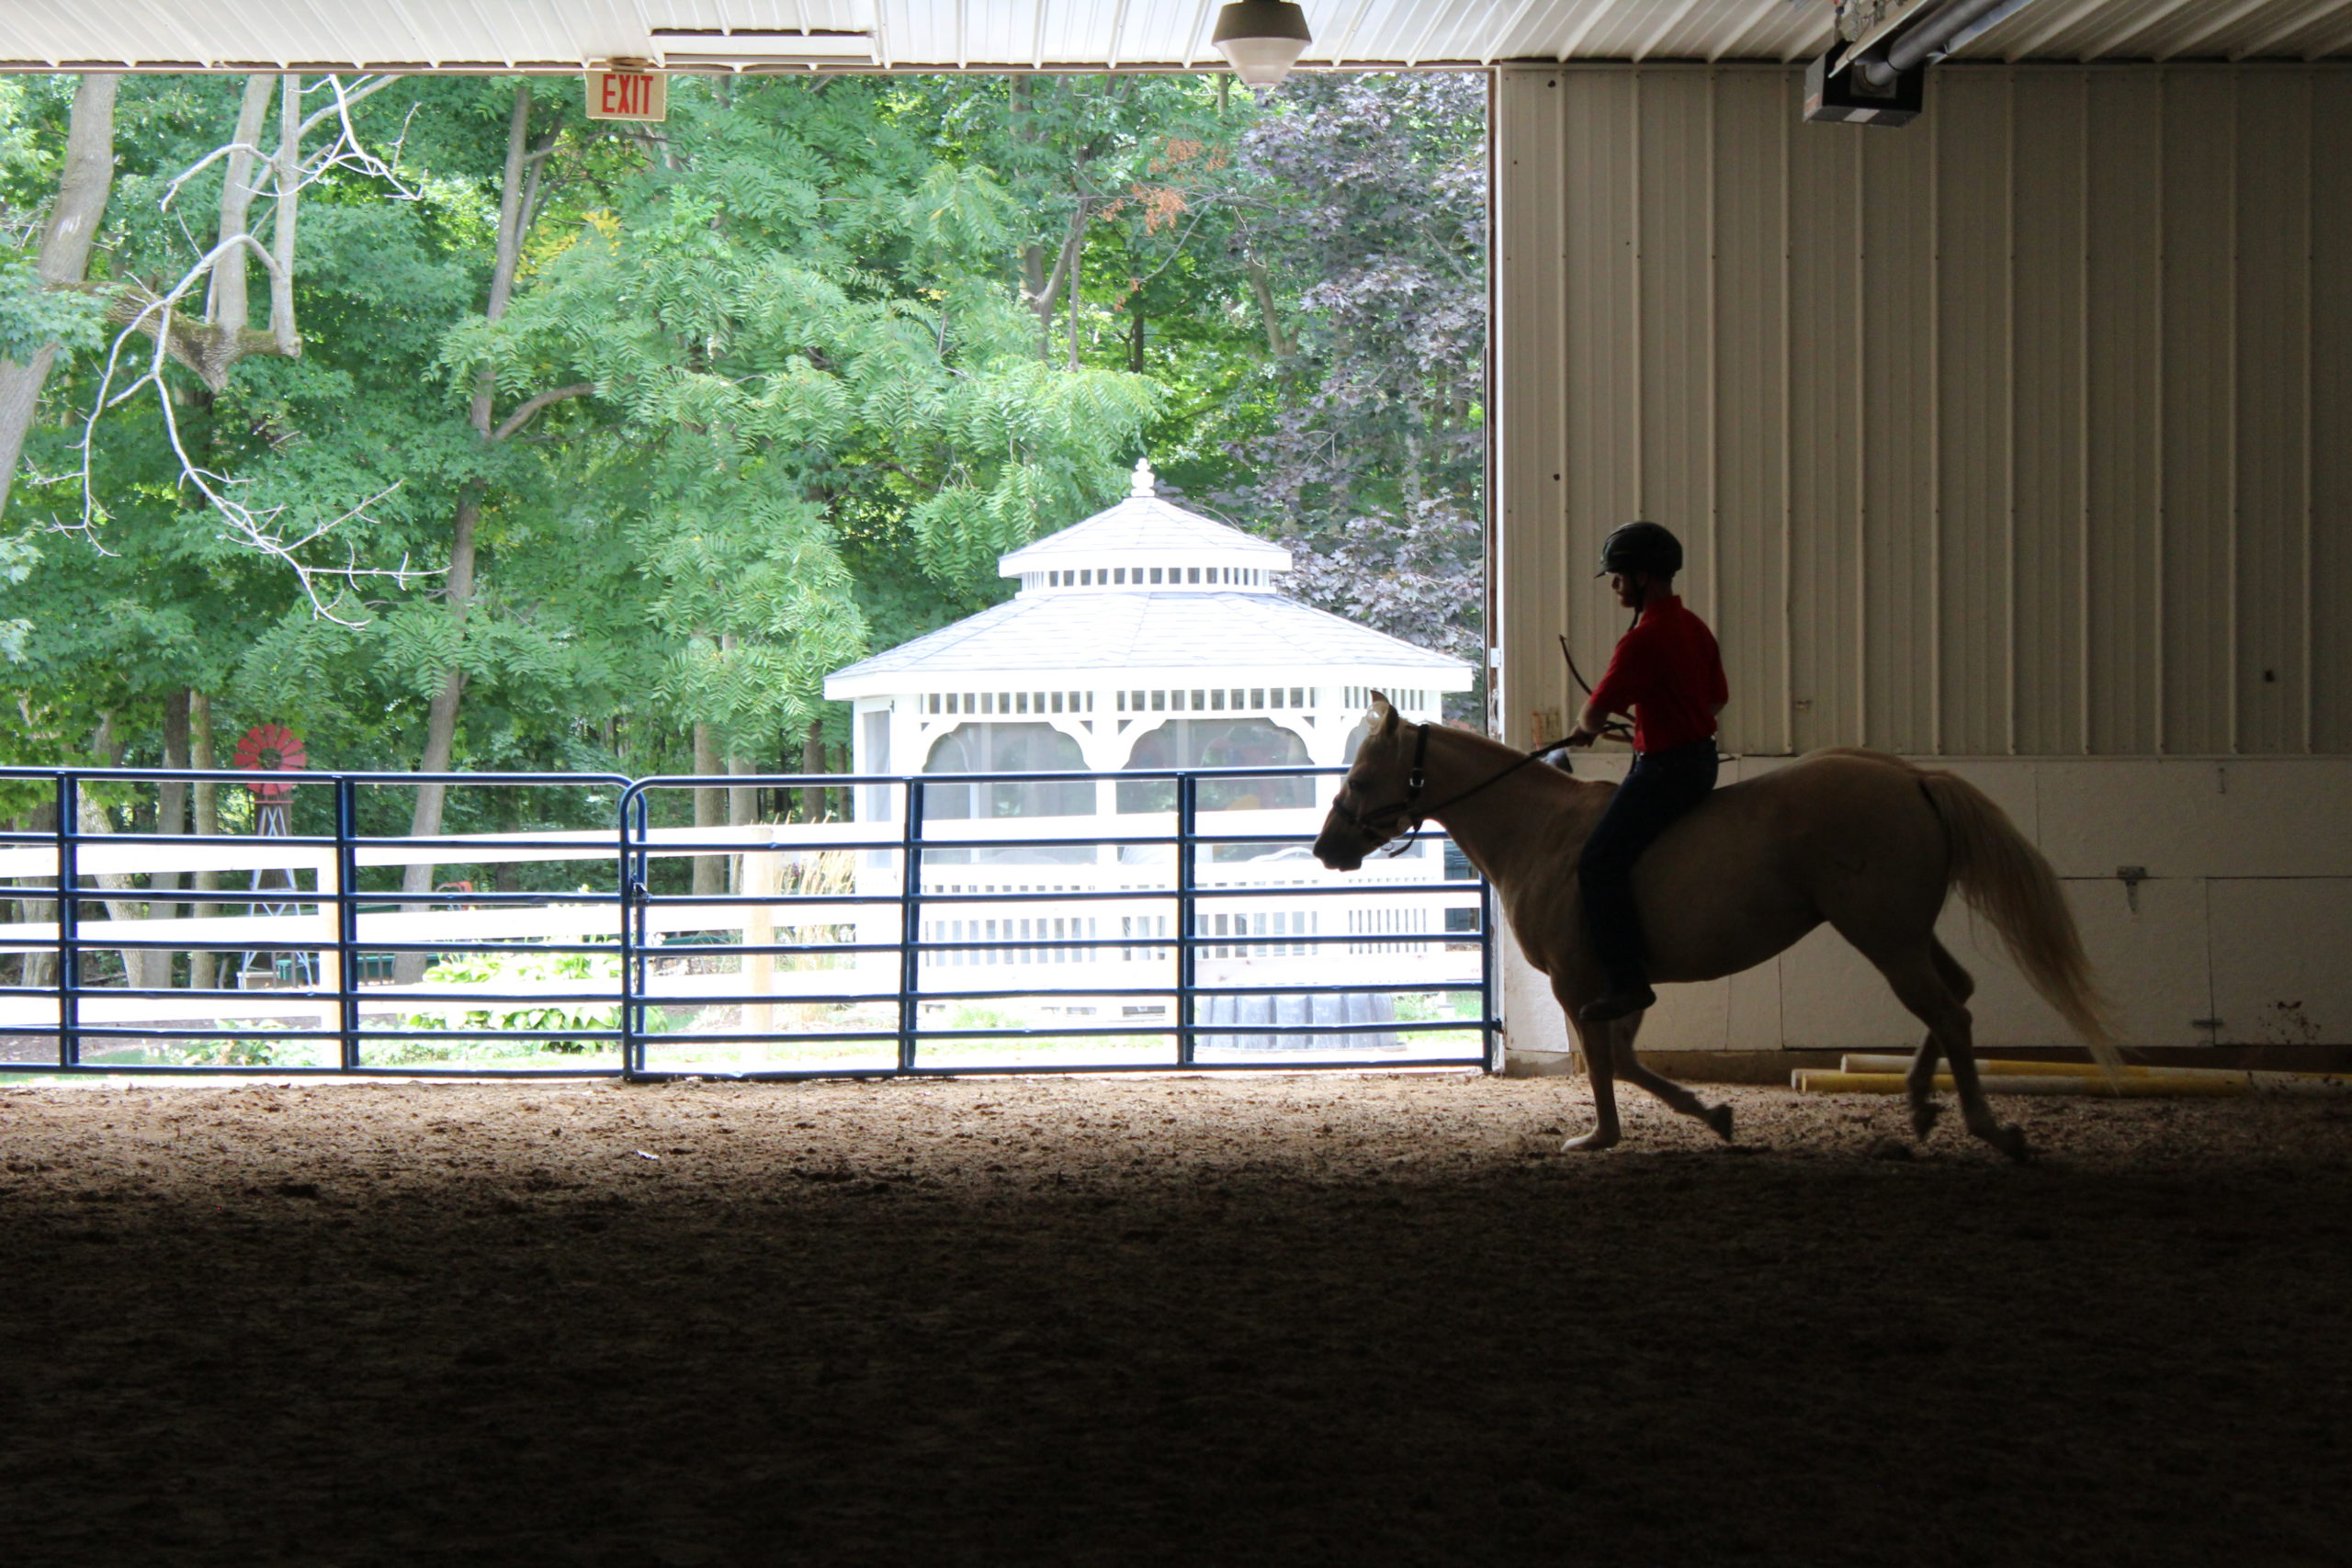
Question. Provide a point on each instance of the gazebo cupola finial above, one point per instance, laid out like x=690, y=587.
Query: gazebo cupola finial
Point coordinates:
x=1147, y=542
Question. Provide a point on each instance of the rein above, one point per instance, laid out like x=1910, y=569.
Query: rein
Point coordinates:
x=1404, y=838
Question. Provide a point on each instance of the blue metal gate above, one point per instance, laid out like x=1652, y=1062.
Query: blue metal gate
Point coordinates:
x=967, y=923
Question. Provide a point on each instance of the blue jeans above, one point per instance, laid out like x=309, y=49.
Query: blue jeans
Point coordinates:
x=1660, y=786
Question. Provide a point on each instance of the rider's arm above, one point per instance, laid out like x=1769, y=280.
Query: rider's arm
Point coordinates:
x=1588, y=725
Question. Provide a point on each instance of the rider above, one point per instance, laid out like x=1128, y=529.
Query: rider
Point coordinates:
x=1668, y=674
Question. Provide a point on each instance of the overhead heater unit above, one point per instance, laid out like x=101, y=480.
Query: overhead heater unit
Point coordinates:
x=1876, y=72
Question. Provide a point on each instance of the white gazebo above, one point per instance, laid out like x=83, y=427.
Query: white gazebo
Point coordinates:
x=1144, y=640
x=1145, y=636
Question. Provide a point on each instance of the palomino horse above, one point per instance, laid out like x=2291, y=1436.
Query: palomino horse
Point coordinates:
x=1865, y=841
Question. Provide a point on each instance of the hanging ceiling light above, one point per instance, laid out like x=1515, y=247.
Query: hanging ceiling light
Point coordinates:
x=1260, y=38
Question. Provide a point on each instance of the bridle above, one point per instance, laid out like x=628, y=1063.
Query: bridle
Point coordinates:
x=1409, y=812
x=1416, y=781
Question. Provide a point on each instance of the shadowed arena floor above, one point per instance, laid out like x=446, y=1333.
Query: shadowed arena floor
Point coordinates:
x=1330, y=1320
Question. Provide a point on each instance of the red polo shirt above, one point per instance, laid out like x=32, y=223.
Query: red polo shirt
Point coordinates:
x=1668, y=674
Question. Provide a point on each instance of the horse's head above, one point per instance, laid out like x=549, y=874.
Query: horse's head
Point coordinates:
x=1375, y=801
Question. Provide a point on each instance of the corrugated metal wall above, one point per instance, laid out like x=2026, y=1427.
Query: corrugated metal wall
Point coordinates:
x=2024, y=430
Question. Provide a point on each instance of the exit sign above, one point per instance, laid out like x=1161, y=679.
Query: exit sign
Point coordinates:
x=628, y=94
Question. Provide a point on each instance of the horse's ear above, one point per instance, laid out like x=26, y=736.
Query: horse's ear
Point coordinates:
x=1384, y=714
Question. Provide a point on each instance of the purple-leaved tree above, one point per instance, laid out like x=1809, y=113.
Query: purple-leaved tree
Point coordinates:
x=1375, y=453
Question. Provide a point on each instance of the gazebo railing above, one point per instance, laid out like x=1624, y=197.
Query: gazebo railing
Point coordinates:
x=583, y=924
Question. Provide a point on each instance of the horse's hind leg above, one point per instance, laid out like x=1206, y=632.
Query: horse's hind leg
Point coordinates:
x=1920, y=984
x=1919, y=1084
x=1630, y=1069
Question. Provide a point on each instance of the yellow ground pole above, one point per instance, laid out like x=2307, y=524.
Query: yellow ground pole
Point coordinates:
x=2263, y=1080
x=1821, y=1081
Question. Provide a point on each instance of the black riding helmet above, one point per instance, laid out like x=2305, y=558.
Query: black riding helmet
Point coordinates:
x=1641, y=547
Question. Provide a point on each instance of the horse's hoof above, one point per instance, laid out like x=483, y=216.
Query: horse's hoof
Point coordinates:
x=1923, y=1117
x=1599, y=1138
x=1719, y=1120
x=2009, y=1138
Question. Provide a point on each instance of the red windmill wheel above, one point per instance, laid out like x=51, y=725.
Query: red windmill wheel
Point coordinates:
x=271, y=747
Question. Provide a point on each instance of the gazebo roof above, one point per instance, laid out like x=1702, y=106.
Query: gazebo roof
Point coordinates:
x=1145, y=585
x=1086, y=633
x=1143, y=523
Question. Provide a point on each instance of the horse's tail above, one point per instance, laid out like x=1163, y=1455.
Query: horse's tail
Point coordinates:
x=2006, y=880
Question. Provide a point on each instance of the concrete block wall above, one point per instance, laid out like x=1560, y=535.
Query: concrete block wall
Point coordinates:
x=2240, y=934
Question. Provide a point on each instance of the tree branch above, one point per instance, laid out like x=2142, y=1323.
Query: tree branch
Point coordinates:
x=523, y=415
x=343, y=100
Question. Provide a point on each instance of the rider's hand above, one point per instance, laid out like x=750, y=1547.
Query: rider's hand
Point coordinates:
x=1581, y=737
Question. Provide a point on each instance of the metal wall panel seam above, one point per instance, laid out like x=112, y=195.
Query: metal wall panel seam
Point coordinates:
x=1500, y=319
x=1640, y=404
x=2205, y=913
x=2009, y=414
x=1860, y=520
x=2237, y=520
x=1715, y=434
x=2309, y=393
x=1788, y=444
x=1556, y=580
x=1490, y=631
x=1507, y=196
x=2158, y=520
x=1533, y=424
x=1935, y=432
x=2332, y=261
x=2082, y=436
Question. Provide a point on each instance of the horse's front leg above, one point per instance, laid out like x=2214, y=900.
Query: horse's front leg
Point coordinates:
x=1630, y=1069
x=1595, y=1044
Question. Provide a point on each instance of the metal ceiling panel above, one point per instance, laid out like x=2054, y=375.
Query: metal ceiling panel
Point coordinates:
x=557, y=35
x=2087, y=31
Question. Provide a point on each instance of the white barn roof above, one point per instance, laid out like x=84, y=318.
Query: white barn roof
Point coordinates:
x=1143, y=589
x=562, y=35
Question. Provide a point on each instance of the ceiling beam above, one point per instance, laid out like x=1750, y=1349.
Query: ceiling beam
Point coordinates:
x=1200, y=25
x=1593, y=11
x=1501, y=35
x=2110, y=42
x=1339, y=49
x=1657, y=34
x=1118, y=31
x=2292, y=26
x=2229, y=19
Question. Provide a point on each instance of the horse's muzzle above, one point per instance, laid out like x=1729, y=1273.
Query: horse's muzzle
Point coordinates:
x=1337, y=846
